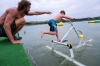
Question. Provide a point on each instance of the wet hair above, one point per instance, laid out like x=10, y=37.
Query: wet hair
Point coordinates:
x=62, y=11
x=23, y=4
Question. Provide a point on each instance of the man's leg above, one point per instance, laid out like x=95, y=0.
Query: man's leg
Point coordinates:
x=49, y=32
x=58, y=39
x=19, y=24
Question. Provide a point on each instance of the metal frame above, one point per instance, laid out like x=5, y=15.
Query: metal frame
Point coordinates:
x=69, y=45
x=65, y=44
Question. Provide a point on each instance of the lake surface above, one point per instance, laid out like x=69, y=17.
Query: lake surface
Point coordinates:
x=40, y=55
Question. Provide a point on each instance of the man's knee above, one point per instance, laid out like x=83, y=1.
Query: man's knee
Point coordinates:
x=20, y=21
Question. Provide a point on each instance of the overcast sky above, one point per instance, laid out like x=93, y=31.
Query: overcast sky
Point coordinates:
x=73, y=8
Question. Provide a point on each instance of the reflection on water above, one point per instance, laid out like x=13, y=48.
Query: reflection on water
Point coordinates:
x=41, y=56
x=80, y=52
x=60, y=59
x=31, y=58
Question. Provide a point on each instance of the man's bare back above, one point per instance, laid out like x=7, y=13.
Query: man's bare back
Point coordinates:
x=60, y=16
x=11, y=11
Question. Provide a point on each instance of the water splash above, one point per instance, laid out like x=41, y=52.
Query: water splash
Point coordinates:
x=84, y=42
x=90, y=40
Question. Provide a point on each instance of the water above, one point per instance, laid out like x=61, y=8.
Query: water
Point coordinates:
x=42, y=56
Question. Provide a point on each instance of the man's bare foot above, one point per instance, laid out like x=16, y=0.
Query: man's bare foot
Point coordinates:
x=42, y=33
x=58, y=40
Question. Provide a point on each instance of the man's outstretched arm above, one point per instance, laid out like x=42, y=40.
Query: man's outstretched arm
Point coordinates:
x=67, y=17
x=38, y=13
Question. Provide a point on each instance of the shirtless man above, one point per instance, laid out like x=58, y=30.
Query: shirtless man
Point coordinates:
x=12, y=20
x=53, y=25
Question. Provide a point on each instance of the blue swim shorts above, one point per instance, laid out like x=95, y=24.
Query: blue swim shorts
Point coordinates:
x=53, y=25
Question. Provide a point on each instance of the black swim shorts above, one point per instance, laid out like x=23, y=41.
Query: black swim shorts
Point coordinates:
x=2, y=31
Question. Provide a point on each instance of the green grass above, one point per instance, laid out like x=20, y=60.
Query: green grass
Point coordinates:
x=12, y=55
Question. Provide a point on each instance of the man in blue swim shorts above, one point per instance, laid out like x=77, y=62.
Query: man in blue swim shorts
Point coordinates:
x=53, y=25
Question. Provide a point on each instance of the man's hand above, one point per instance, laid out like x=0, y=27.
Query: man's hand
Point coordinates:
x=49, y=12
x=17, y=42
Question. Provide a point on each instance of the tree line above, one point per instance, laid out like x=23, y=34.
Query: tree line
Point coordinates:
x=74, y=20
